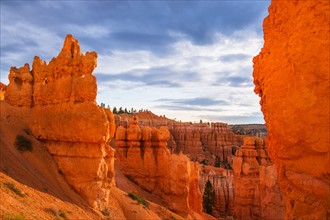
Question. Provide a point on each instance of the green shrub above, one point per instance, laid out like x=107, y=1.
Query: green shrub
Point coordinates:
x=13, y=188
x=139, y=199
x=105, y=212
x=62, y=215
x=22, y=143
x=9, y=216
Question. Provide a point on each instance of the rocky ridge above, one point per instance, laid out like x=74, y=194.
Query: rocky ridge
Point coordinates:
x=66, y=119
x=141, y=154
x=257, y=193
x=291, y=76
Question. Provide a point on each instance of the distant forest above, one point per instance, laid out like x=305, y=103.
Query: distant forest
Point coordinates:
x=122, y=110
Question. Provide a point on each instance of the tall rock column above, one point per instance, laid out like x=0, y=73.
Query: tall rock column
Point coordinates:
x=292, y=77
x=142, y=155
x=66, y=119
x=257, y=194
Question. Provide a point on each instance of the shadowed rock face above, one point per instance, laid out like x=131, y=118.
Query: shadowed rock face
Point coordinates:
x=64, y=116
x=257, y=193
x=291, y=75
x=141, y=154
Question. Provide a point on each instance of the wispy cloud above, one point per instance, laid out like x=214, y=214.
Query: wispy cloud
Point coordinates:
x=195, y=56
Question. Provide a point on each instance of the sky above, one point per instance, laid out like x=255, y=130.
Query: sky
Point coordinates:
x=187, y=60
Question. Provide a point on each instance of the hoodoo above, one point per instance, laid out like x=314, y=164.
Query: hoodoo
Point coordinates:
x=291, y=75
x=57, y=100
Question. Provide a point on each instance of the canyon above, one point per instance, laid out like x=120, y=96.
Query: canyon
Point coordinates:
x=84, y=162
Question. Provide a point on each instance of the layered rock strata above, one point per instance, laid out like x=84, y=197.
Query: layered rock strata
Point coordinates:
x=141, y=154
x=64, y=116
x=257, y=194
x=222, y=181
x=291, y=76
x=200, y=141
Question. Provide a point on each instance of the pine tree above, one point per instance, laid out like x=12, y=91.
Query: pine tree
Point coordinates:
x=120, y=110
x=208, y=197
x=114, y=110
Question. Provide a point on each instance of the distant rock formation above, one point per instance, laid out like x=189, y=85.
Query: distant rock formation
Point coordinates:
x=60, y=98
x=258, y=130
x=291, y=75
x=3, y=88
x=222, y=181
x=201, y=141
x=141, y=154
x=257, y=194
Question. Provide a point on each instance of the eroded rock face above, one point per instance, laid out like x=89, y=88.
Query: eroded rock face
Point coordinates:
x=141, y=154
x=3, y=88
x=257, y=194
x=64, y=116
x=291, y=75
x=222, y=181
x=200, y=141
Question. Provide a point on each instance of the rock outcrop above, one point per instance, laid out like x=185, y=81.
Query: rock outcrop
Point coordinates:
x=257, y=194
x=64, y=116
x=291, y=75
x=141, y=154
x=222, y=181
x=3, y=88
x=202, y=142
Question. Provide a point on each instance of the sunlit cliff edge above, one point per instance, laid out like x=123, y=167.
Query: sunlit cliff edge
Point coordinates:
x=291, y=75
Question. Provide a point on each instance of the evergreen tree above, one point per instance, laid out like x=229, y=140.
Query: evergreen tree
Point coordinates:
x=114, y=110
x=208, y=197
x=120, y=110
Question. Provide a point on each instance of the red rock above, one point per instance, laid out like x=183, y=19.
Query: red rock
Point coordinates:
x=19, y=90
x=222, y=181
x=257, y=194
x=291, y=75
x=3, y=88
x=60, y=97
x=143, y=157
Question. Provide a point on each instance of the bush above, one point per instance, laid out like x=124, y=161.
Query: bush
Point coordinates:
x=13, y=188
x=62, y=215
x=105, y=212
x=139, y=199
x=22, y=143
x=9, y=216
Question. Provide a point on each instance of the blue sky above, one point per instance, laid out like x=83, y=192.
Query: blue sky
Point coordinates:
x=188, y=60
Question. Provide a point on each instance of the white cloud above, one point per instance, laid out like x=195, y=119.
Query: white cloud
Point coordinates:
x=203, y=60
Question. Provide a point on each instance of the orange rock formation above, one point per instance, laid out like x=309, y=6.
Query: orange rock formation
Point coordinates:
x=141, y=154
x=3, y=88
x=291, y=75
x=222, y=181
x=60, y=98
x=257, y=194
x=199, y=140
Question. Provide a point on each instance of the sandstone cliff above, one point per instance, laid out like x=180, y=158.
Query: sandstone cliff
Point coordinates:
x=141, y=154
x=222, y=181
x=257, y=194
x=291, y=75
x=62, y=113
x=200, y=141
x=2, y=91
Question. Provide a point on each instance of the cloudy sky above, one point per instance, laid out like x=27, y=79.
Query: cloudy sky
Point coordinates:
x=188, y=60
